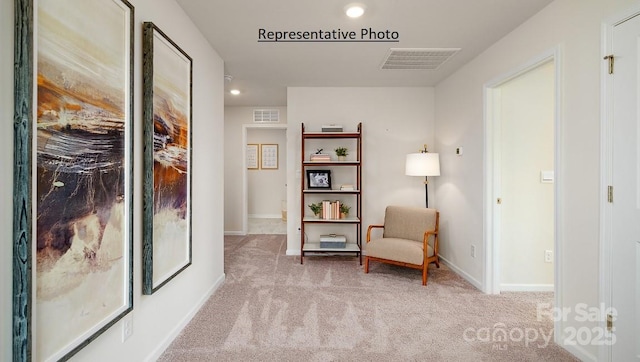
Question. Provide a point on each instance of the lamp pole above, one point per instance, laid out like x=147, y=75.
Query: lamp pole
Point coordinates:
x=426, y=182
x=426, y=191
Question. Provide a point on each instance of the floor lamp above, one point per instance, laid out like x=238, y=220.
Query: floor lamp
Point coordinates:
x=423, y=164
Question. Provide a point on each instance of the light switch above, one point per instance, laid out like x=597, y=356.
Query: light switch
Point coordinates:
x=546, y=176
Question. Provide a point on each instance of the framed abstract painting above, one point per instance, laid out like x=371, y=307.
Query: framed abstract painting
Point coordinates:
x=167, y=77
x=73, y=255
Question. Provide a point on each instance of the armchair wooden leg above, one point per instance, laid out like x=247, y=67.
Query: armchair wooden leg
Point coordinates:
x=437, y=262
x=366, y=264
x=424, y=273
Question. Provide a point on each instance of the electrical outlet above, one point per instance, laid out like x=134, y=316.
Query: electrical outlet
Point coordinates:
x=548, y=256
x=459, y=151
x=127, y=327
x=473, y=251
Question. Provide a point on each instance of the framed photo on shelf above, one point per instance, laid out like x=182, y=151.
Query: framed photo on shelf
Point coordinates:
x=319, y=179
x=252, y=156
x=269, y=156
x=167, y=98
x=73, y=185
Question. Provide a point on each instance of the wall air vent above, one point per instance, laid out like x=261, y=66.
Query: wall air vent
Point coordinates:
x=418, y=58
x=266, y=116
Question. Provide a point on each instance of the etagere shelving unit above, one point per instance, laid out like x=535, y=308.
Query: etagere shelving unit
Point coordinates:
x=353, y=247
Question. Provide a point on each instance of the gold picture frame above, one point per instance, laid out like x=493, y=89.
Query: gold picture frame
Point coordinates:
x=252, y=156
x=269, y=156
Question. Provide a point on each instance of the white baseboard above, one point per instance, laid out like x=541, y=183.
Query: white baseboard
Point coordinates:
x=579, y=352
x=234, y=233
x=265, y=216
x=293, y=251
x=183, y=323
x=526, y=288
x=462, y=273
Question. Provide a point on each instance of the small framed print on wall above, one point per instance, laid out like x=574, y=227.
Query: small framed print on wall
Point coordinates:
x=269, y=156
x=252, y=157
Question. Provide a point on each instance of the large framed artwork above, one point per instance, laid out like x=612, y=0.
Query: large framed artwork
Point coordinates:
x=167, y=76
x=73, y=265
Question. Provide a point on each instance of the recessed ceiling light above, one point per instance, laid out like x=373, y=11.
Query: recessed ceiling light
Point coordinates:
x=235, y=92
x=354, y=10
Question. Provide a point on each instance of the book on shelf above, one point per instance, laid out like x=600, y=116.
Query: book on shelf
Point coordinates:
x=332, y=128
x=347, y=187
x=330, y=209
x=320, y=157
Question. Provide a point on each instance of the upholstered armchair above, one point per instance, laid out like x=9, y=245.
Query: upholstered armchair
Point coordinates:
x=409, y=238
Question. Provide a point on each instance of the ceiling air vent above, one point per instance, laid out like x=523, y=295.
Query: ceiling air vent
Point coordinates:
x=266, y=116
x=418, y=58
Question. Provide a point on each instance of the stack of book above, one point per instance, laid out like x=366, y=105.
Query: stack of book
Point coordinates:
x=347, y=187
x=320, y=157
x=330, y=209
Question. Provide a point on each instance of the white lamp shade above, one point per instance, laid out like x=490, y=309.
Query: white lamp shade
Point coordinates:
x=422, y=164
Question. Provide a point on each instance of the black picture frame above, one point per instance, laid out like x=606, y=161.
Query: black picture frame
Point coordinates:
x=319, y=179
x=167, y=79
x=98, y=111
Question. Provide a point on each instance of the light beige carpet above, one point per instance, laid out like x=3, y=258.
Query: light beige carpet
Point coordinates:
x=271, y=308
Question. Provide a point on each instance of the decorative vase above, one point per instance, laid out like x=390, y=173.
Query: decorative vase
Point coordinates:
x=343, y=215
x=342, y=158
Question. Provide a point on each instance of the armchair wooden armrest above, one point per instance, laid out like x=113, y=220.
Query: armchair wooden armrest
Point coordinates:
x=435, y=258
x=370, y=228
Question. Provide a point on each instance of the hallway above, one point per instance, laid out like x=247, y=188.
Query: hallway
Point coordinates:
x=266, y=226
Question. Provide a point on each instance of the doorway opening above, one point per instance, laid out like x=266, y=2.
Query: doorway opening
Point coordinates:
x=522, y=155
x=264, y=188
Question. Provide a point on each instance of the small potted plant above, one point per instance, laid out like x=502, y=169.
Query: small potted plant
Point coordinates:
x=316, y=208
x=344, y=211
x=342, y=153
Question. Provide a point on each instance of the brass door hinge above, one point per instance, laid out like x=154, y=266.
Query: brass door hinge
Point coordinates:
x=611, y=60
x=609, y=322
x=610, y=194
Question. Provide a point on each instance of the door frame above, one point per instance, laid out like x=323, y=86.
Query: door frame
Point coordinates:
x=606, y=168
x=245, y=175
x=491, y=270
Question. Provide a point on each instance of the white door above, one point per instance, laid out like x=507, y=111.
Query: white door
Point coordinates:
x=625, y=212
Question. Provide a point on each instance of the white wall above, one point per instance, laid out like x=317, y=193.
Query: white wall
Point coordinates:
x=157, y=318
x=395, y=122
x=574, y=26
x=235, y=119
x=266, y=188
x=526, y=118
